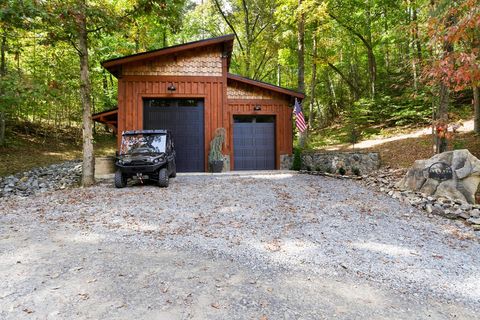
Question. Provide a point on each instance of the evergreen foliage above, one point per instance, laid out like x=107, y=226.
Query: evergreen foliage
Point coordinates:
x=297, y=159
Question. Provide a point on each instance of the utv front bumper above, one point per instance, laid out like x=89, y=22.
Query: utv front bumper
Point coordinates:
x=133, y=169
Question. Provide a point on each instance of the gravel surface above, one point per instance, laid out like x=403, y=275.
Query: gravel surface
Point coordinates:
x=250, y=246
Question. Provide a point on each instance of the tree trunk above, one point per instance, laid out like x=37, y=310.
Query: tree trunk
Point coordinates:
x=444, y=99
x=248, y=41
x=2, y=128
x=3, y=72
x=416, y=39
x=334, y=95
x=279, y=75
x=372, y=64
x=372, y=70
x=441, y=117
x=301, y=65
x=476, y=107
x=3, y=49
x=313, y=83
x=88, y=174
x=416, y=58
x=301, y=51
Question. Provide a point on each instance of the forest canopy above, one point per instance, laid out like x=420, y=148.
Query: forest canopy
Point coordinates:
x=374, y=61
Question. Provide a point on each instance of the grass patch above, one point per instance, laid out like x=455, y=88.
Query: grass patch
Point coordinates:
x=29, y=151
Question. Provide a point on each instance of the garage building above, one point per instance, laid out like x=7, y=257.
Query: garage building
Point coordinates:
x=187, y=89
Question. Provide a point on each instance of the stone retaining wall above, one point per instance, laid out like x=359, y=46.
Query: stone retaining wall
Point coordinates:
x=352, y=163
x=356, y=163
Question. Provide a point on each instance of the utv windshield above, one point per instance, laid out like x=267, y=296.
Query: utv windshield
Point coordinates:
x=140, y=143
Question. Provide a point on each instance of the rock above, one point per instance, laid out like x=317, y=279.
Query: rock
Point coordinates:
x=22, y=187
x=475, y=213
x=438, y=211
x=43, y=179
x=476, y=227
x=449, y=214
x=453, y=175
x=429, y=208
x=449, y=189
x=464, y=215
x=474, y=220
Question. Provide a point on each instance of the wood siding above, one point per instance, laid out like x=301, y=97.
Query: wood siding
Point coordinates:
x=202, y=73
x=218, y=111
x=198, y=62
x=133, y=89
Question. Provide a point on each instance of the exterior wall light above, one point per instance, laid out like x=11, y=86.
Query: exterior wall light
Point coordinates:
x=257, y=108
x=171, y=87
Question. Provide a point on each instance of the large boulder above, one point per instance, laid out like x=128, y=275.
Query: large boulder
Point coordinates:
x=452, y=174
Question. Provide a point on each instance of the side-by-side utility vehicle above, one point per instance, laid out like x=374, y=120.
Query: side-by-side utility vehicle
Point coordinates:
x=145, y=154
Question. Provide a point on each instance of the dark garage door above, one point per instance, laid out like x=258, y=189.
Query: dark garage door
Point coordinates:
x=184, y=118
x=254, y=142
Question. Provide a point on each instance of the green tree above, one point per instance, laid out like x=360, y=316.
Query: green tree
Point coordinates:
x=72, y=21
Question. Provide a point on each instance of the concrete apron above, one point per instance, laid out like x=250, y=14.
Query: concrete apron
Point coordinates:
x=110, y=176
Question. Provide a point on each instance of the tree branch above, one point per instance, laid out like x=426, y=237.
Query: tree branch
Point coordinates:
x=340, y=73
x=353, y=31
x=229, y=24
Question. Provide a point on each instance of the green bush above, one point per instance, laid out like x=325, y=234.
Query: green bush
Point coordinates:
x=342, y=171
x=297, y=159
x=356, y=171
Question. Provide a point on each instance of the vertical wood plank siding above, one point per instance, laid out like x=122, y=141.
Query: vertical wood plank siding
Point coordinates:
x=218, y=112
x=133, y=89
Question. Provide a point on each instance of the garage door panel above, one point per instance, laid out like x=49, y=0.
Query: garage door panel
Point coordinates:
x=254, y=145
x=187, y=126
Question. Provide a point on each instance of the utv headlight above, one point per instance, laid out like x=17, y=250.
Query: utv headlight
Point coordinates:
x=156, y=160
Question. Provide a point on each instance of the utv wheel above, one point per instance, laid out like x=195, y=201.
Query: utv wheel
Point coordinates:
x=163, y=178
x=120, y=179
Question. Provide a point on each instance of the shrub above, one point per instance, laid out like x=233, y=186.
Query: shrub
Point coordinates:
x=356, y=171
x=342, y=171
x=297, y=159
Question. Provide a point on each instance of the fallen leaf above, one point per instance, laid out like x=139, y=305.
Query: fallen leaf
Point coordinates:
x=84, y=296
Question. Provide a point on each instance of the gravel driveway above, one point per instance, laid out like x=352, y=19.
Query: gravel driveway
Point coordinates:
x=251, y=246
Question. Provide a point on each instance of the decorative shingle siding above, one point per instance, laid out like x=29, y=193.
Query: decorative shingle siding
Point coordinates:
x=237, y=90
x=199, y=62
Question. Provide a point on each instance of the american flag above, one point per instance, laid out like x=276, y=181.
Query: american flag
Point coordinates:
x=299, y=119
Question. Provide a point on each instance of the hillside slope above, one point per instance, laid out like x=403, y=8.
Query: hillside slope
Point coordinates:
x=401, y=149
